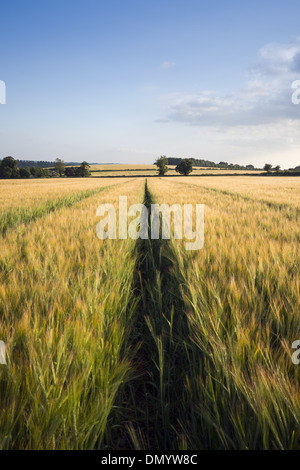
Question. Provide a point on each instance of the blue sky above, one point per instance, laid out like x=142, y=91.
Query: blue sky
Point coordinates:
x=127, y=81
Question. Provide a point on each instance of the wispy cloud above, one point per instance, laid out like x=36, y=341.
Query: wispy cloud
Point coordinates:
x=167, y=65
x=278, y=60
x=264, y=99
x=246, y=108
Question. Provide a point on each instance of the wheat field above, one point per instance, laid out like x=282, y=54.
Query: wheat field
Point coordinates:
x=151, y=170
x=140, y=344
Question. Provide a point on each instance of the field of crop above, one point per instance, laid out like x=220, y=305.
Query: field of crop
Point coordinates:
x=241, y=300
x=273, y=190
x=151, y=170
x=140, y=344
x=28, y=193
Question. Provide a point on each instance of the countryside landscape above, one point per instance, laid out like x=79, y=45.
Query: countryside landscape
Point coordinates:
x=149, y=230
x=123, y=344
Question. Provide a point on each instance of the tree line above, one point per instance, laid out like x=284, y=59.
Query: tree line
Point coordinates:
x=209, y=164
x=185, y=167
x=41, y=164
x=9, y=169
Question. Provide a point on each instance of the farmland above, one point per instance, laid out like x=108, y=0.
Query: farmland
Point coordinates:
x=151, y=170
x=140, y=344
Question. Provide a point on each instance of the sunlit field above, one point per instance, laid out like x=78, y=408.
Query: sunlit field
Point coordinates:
x=241, y=303
x=25, y=193
x=66, y=311
x=151, y=170
x=140, y=344
x=27, y=201
x=272, y=189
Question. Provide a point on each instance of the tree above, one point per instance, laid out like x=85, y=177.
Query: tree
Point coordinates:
x=268, y=167
x=70, y=172
x=34, y=170
x=45, y=172
x=161, y=164
x=185, y=167
x=277, y=168
x=39, y=172
x=83, y=170
x=80, y=171
x=59, y=166
x=9, y=168
x=25, y=173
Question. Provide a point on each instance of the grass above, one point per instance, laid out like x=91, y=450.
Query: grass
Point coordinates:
x=273, y=190
x=152, y=399
x=66, y=309
x=242, y=304
x=140, y=344
x=24, y=215
x=32, y=192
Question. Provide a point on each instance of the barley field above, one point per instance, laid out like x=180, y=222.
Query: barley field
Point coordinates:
x=140, y=344
x=151, y=170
